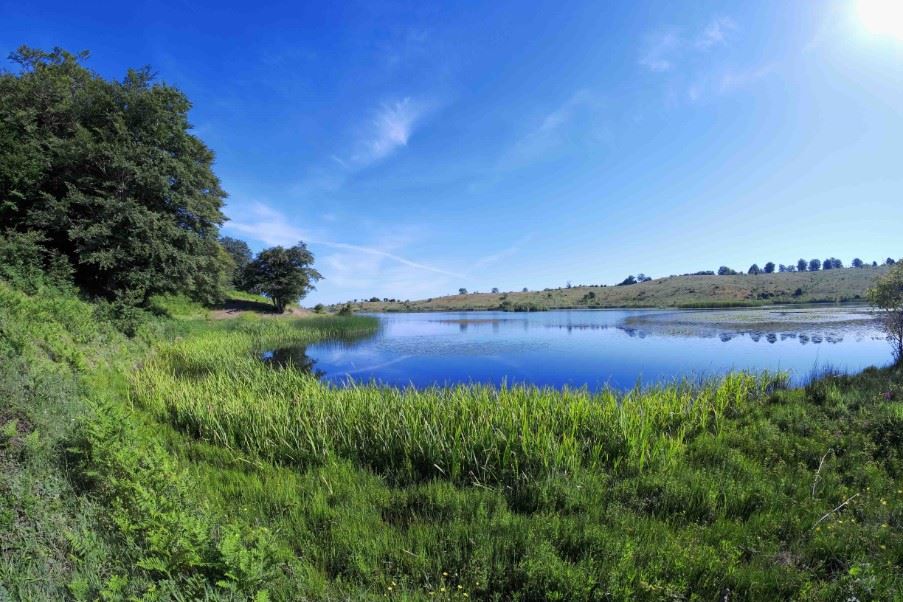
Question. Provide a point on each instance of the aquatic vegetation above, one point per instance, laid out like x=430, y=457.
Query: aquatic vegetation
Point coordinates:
x=191, y=468
x=215, y=388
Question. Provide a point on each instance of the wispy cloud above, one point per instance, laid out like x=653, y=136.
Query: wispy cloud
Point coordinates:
x=715, y=33
x=735, y=79
x=553, y=129
x=262, y=223
x=727, y=81
x=383, y=253
x=658, y=51
x=391, y=128
x=498, y=256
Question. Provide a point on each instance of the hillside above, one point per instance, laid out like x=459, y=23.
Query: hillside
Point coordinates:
x=831, y=286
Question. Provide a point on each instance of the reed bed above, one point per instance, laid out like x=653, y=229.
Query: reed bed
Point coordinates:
x=215, y=388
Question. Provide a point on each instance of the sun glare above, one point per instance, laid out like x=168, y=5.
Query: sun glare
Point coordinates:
x=882, y=17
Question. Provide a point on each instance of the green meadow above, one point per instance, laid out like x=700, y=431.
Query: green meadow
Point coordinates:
x=175, y=465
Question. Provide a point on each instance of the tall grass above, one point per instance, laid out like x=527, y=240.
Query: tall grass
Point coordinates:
x=215, y=388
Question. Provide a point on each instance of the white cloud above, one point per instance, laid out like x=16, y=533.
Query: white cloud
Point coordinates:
x=734, y=79
x=552, y=130
x=715, y=33
x=726, y=81
x=383, y=253
x=262, y=223
x=658, y=51
x=488, y=260
x=390, y=129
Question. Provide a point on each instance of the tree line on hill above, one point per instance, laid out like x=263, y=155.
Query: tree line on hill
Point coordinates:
x=103, y=185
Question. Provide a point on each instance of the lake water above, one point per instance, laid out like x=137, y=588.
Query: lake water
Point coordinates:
x=594, y=348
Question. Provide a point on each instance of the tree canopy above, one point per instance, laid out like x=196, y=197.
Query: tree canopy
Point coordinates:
x=241, y=256
x=107, y=176
x=283, y=275
x=887, y=295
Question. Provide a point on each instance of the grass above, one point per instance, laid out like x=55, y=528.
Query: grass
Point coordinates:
x=175, y=465
x=692, y=292
x=466, y=434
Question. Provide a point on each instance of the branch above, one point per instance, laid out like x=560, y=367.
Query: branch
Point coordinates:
x=847, y=501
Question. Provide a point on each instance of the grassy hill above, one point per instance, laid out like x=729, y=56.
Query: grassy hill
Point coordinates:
x=832, y=286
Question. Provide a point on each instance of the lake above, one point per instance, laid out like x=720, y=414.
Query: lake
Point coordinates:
x=595, y=348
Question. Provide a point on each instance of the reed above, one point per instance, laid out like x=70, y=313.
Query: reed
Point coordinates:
x=215, y=388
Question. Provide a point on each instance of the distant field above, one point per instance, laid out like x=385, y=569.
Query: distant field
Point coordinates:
x=832, y=286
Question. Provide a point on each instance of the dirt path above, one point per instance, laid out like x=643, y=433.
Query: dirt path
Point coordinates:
x=234, y=309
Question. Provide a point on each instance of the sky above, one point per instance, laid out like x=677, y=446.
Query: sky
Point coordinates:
x=422, y=147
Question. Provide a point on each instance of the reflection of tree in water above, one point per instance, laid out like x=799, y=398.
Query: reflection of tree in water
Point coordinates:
x=293, y=357
x=581, y=326
x=296, y=357
x=728, y=335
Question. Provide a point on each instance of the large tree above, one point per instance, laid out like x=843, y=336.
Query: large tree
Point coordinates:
x=887, y=295
x=110, y=177
x=283, y=275
x=241, y=256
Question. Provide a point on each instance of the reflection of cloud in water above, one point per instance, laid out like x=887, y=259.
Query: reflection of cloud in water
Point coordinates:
x=377, y=366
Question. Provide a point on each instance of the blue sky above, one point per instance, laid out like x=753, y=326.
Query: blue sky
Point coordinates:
x=422, y=147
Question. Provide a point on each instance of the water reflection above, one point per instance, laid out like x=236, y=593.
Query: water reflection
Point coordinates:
x=589, y=348
x=292, y=357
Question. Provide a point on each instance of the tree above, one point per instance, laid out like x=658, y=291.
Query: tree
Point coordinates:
x=836, y=263
x=628, y=281
x=887, y=295
x=111, y=177
x=462, y=291
x=241, y=256
x=889, y=261
x=283, y=275
x=525, y=290
x=495, y=290
x=857, y=263
x=827, y=264
x=642, y=277
x=726, y=271
x=801, y=265
x=754, y=269
x=769, y=268
x=814, y=265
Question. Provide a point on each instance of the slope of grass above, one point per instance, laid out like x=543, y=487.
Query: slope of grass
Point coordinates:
x=175, y=465
x=832, y=286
